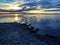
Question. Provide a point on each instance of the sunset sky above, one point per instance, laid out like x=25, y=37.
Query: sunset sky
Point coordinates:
x=14, y=4
x=9, y=4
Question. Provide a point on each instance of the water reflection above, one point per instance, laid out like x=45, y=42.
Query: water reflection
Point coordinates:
x=10, y=18
x=17, y=18
x=20, y=17
x=48, y=24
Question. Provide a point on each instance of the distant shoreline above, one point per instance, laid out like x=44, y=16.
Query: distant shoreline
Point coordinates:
x=43, y=13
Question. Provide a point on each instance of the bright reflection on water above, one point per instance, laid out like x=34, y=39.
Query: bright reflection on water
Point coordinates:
x=10, y=18
x=19, y=17
x=16, y=17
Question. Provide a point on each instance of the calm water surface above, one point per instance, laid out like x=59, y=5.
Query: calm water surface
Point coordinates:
x=20, y=17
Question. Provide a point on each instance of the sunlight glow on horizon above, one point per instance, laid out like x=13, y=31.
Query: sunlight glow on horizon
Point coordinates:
x=12, y=7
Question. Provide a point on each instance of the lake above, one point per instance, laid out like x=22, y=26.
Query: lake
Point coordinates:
x=20, y=17
x=47, y=24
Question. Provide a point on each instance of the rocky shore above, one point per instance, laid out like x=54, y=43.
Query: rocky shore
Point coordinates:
x=21, y=34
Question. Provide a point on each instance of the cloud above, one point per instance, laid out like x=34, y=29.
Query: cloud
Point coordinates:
x=7, y=1
x=42, y=3
x=3, y=5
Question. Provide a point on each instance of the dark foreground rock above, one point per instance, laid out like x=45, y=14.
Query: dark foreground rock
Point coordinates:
x=12, y=34
x=21, y=34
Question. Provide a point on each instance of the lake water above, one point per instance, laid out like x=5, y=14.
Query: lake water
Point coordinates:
x=42, y=22
x=20, y=17
x=10, y=18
